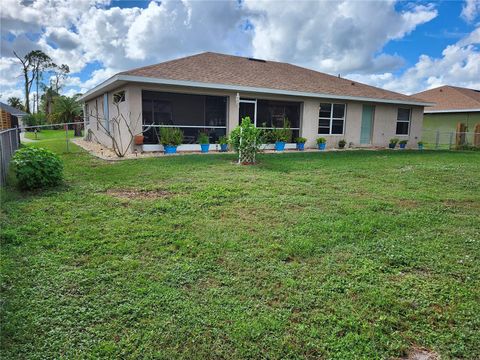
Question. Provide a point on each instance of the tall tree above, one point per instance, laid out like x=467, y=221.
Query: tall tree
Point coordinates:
x=15, y=102
x=59, y=74
x=65, y=108
x=48, y=97
x=32, y=64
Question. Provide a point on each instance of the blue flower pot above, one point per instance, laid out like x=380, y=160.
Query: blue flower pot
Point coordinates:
x=322, y=146
x=205, y=147
x=300, y=146
x=402, y=146
x=170, y=149
x=391, y=146
x=223, y=147
x=420, y=146
x=280, y=145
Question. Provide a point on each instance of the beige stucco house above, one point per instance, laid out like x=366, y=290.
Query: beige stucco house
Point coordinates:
x=211, y=92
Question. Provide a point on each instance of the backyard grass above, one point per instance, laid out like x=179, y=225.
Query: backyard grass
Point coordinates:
x=345, y=255
x=47, y=134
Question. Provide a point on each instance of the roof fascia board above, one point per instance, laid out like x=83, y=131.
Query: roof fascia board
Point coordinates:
x=158, y=81
x=450, y=111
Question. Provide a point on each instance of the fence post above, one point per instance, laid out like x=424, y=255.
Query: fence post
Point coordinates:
x=451, y=141
x=66, y=136
x=437, y=140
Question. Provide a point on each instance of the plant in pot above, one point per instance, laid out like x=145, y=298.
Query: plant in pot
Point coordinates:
x=322, y=143
x=204, y=141
x=402, y=144
x=282, y=135
x=170, y=138
x=420, y=145
x=393, y=143
x=223, y=141
x=300, y=143
x=341, y=144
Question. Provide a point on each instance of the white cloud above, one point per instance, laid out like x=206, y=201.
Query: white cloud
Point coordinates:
x=470, y=10
x=335, y=36
x=459, y=65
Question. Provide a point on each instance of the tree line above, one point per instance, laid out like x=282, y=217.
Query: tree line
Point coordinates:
x=49, y=106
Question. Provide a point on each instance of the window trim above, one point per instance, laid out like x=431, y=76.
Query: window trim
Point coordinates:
x=331, y=118
x=404, y=121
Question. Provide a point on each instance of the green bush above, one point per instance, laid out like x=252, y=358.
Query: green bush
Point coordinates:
x=246, y=139
x=403, y=142
x=223, y=140
x=203, y=138
x=283, y=134
x=171, y=136
x=34, y=120
x=321, y=140
x=37, y=168
x=394, y=141
x=301, y=140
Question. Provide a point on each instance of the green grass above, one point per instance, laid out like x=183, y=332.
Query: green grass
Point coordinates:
x=345, y=255
x=49, y=135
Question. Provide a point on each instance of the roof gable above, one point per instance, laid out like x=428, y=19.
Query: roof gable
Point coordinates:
x=451, y=98
x=11, y=110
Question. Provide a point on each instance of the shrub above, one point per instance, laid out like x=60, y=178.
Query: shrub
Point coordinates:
x=37, y=168
x=403, y=142
x=223, y=140
x=301, y=140
x=321, y=140
x=420, y=143
x=394, y=141
x=246, y=139
x=342, y=143
x=283, y=134
x=34, y=120
x=171, y=136
x=203, y=138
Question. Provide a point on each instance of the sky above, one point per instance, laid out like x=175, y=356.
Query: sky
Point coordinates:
x=404, y=46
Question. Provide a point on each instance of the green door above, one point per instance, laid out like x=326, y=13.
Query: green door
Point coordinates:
x=367, y=124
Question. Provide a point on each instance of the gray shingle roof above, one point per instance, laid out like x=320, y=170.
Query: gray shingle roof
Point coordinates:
x=13, y=111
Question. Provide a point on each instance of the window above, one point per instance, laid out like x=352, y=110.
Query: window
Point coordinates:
x=191, y=113
x=119, y=97
x=106, y=124
x=331, y=119
x=269, y=114
x=403, y=121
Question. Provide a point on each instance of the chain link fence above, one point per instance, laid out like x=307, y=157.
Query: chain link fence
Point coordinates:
x=9, y=143
x=449, y=140
x=56, y=137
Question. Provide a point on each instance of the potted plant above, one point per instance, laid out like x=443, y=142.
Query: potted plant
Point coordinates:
x=223, y=141
x=402, y=144
x=420, y=145
x=139, y=139
x=204, y=141
x=170, y=138
x=322, y=143
x=300, y=143
x=393, y=143
x=341, y=144
x=282, y=136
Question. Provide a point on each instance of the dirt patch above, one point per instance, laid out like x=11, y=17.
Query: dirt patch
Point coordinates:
x=422, y=354
x=133, y=194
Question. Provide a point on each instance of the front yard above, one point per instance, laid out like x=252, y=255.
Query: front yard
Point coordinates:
x=358, y=254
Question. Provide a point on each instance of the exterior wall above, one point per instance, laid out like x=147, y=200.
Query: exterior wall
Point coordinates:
x=446, y=124
x=384, y=124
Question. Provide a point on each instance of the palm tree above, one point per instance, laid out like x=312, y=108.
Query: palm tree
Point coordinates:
x=67, y=109
x=16, y=103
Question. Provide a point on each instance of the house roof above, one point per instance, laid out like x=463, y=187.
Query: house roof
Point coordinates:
x=219, y=71
x=13, y=111
x=451, y=99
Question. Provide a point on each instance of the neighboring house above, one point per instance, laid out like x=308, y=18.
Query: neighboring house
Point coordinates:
x=212, y=92
x=10, y=117
x=453, y=105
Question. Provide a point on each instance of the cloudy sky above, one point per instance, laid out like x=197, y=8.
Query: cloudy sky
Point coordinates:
x=402, y=46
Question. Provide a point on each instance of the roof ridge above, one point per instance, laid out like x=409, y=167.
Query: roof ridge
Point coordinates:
x=163, y=62
x=465, y=92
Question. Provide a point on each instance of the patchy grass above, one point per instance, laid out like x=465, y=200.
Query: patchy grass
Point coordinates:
x=311, y=255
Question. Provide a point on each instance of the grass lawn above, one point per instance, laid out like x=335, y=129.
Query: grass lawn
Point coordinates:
x=344, y=255
x=49, y=134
